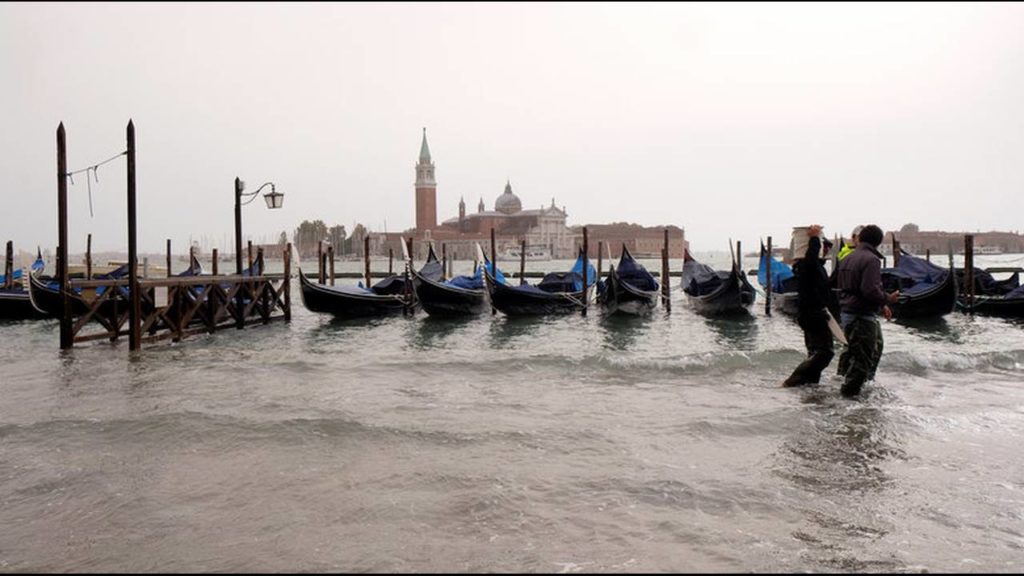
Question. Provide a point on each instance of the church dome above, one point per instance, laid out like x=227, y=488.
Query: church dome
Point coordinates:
x=508, y=203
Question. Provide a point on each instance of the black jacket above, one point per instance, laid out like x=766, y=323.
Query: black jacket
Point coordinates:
x=860, y=281
x=812, y=281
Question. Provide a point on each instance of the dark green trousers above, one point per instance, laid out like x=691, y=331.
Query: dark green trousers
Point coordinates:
x=844, y=358
x=863, y=352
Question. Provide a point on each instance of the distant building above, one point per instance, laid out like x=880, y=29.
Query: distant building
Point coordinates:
x=916, y=241
x=543, y=229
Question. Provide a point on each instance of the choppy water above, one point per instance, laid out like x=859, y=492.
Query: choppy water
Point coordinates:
x=551, y=445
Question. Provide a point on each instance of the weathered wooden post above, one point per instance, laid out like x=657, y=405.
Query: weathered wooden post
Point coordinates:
x=586, y=260
x=600, y=252
x=215, y=259
x=928, y=254
x=969, y=271
x=191, y=257
x=88, y=257
x=666, y=279
x=264, y=301
x=66, y=338
x=739, y=256
x=330, y=255
x=768, y=280
x=444, y=261
x=391, y=261
x=895, y=251
x=169, y=258
x=249, y=253
x=522, y=262
x=135, y=311
x=320, y=262
x=9, y=266
x=287, y=286
x=494, y=262
x=366, y=258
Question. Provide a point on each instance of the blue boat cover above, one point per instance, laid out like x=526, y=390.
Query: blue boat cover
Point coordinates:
x=571, y=281
x=781, y=272
x=633, y=273
x=476, y=281
x=913, y=275
x=17, y=274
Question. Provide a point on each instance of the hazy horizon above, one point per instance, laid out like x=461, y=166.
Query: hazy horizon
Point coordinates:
x=733, y=121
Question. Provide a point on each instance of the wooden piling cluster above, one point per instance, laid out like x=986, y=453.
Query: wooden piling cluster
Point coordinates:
x=153, y=309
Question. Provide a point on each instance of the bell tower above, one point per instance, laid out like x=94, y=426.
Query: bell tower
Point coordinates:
x=426, y=190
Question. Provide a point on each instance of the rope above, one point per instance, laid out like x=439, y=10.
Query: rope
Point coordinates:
x=95, y=175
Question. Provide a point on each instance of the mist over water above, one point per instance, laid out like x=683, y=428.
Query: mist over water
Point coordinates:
x=562, y=444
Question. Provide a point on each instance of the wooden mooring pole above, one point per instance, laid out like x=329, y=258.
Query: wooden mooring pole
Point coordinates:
x=9, y=265
x=969, y=271
x=494, y=262
x=768, y=280
x=444, y=261
x=366, y=258
x=215, y=259
x=287, y=288
x=88, y=257
x=586, y=260
x=66, y=337
x=600, y=250
x=135, y=311
x=391, y=261
x=169, y=258
x=522, y=262
x=666, y=280
x=330, y=255
x=895, y=251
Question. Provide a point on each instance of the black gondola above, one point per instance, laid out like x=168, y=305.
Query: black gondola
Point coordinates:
x=15, y=301
x=926, y=290
x=460, y=296
x=388, y=296
x=629, y=288
x=1002, y=298
x=716, y=292
x=556, y=293
x=44, y=293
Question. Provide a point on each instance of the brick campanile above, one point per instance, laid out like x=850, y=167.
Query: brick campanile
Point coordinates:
x=426, y=190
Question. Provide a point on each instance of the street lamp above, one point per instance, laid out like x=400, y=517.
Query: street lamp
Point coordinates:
x=274, y=200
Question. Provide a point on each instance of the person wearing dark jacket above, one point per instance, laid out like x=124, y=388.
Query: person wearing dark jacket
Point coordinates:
x=813, y=301
x=861, y=298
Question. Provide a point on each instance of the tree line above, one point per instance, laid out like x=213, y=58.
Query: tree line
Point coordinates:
x=309, y=233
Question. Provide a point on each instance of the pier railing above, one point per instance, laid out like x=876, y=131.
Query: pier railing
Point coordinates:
x=176, y=307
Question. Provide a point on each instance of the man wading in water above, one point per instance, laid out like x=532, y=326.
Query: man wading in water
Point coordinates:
x=813, y=289
x=861, y=298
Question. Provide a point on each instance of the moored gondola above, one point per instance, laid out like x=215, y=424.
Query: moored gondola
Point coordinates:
x=459, y=296
x=926, y=290
x=1001, y=298
x=629, y=288
x=556, y=293
x=716, y=292
x=15, y=300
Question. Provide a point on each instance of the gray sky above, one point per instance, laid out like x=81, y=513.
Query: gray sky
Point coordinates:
x=733, y=121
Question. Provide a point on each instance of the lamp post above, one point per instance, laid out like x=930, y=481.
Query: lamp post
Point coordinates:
x=274, y=200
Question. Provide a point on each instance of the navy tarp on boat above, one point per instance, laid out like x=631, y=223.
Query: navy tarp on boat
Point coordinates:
x=985, y=284
x=913, y=275
x=571, y=281
x=476, y=281
x=633, y=273
x=700, y=279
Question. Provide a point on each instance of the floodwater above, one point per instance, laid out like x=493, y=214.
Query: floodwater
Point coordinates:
x=565, y=444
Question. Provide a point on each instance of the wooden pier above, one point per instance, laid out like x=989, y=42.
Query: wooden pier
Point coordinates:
x=154, y=309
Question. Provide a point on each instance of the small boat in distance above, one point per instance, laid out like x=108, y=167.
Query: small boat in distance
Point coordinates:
x=536, y=253
x=15, y=301
x=459, y=296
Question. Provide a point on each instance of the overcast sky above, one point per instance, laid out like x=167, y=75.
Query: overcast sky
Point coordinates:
x=732, y=121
